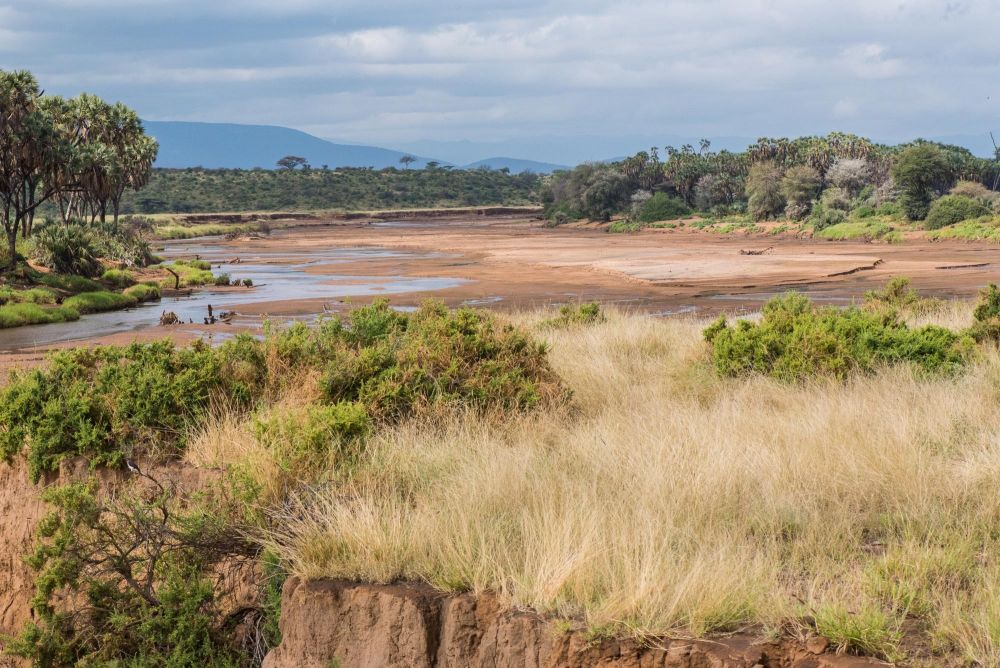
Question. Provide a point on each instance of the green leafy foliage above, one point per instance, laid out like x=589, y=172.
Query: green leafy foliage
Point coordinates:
x=987, y=315
x=138, y=568
x=662, y=207
x=143, y=292
x=571, y=315
x=67, y=249
x=378, y=364
x=106, y=402
x=795, y=341
x=921, y=171
x=951, y=209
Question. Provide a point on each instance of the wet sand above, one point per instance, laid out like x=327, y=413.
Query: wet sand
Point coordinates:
x=511, y=262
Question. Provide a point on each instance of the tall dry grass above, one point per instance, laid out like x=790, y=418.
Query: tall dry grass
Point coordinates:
x=667, y=500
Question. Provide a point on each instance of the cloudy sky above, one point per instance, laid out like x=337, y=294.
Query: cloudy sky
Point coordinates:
x=393, y=73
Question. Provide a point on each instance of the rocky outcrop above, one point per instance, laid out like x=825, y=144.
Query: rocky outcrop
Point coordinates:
x=350, y=625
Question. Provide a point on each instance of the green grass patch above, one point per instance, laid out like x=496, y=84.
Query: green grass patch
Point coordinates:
x=984, y=228
x=143, y=292
x=118, y=277
x=66, y=282
x=175, y=231
x=870, y=229
x=100, y=301
x=9, y=295
x=27, y=313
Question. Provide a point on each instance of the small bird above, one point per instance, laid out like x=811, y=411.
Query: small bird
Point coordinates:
x=132, y=467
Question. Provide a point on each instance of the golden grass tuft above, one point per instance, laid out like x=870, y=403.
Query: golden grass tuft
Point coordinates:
x=669, y=501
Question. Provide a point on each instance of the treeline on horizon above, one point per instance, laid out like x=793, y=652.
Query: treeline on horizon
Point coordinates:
x=819, y=180
x=216, y=190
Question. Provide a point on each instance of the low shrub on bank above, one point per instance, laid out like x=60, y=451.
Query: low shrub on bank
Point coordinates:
x=987, y=315
x=951, y=209
x=796, y=340
x=9, y=295
x=576, y=314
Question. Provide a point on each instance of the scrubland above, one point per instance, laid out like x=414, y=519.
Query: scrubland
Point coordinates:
x=664, y=498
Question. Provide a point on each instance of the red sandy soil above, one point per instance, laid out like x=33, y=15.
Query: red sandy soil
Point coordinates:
x=513, y=262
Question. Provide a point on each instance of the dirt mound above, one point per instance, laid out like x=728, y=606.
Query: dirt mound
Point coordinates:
x=332, y=622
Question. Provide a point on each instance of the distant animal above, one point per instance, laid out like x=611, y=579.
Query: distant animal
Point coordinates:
x=132, y=467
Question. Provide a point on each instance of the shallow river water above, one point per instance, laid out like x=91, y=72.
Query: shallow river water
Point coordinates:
x=276, y=277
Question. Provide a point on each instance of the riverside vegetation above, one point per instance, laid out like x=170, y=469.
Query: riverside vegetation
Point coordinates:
x=839, y=186
x=819, y=471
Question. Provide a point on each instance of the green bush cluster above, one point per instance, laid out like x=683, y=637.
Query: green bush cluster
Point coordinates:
x=67, y=249
x=577, y=314
x=9, y=295
x=105, y=402
x=140, y=571
x=375, y=365
x=987, y=315
x=796, y=340
x=662, y=207
x=951, y=209
x=897, y=296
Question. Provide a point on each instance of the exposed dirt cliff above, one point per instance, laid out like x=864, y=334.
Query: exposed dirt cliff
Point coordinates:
x=351, y=625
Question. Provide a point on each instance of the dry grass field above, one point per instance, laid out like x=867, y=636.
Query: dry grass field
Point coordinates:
x=667, y=500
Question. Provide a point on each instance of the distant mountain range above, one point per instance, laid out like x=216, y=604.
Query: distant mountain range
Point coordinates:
x=229, y=145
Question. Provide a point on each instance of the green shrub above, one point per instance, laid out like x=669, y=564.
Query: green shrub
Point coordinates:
x=127, y=580
x=921, y=171
x=765, y=200
x=100, y=301
x=222, y=280
x=105, y=402
x=312, y=434
x=27, y=313
x=118, y=277
x=143, y=292
x=952, y=209
x=661, y=207
x=577, y=314
x=194, y=272
x=897, y=295
x=824, y=216
x=796, y=340
x=398, y=364
x=987, y=315
x=67, y=249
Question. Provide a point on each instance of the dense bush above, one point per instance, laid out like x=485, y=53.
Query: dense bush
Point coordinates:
x=577, y=314
x=799, y=187
x=851, y=174
x=28, y=313
x=952, y=209
x=67, y=249
x=106, y=402
x=140, y=571
x=143, y=292
x=795, y=341
x=662, y=207
x=764, y=191
x=987, y=315
x=921, y=171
